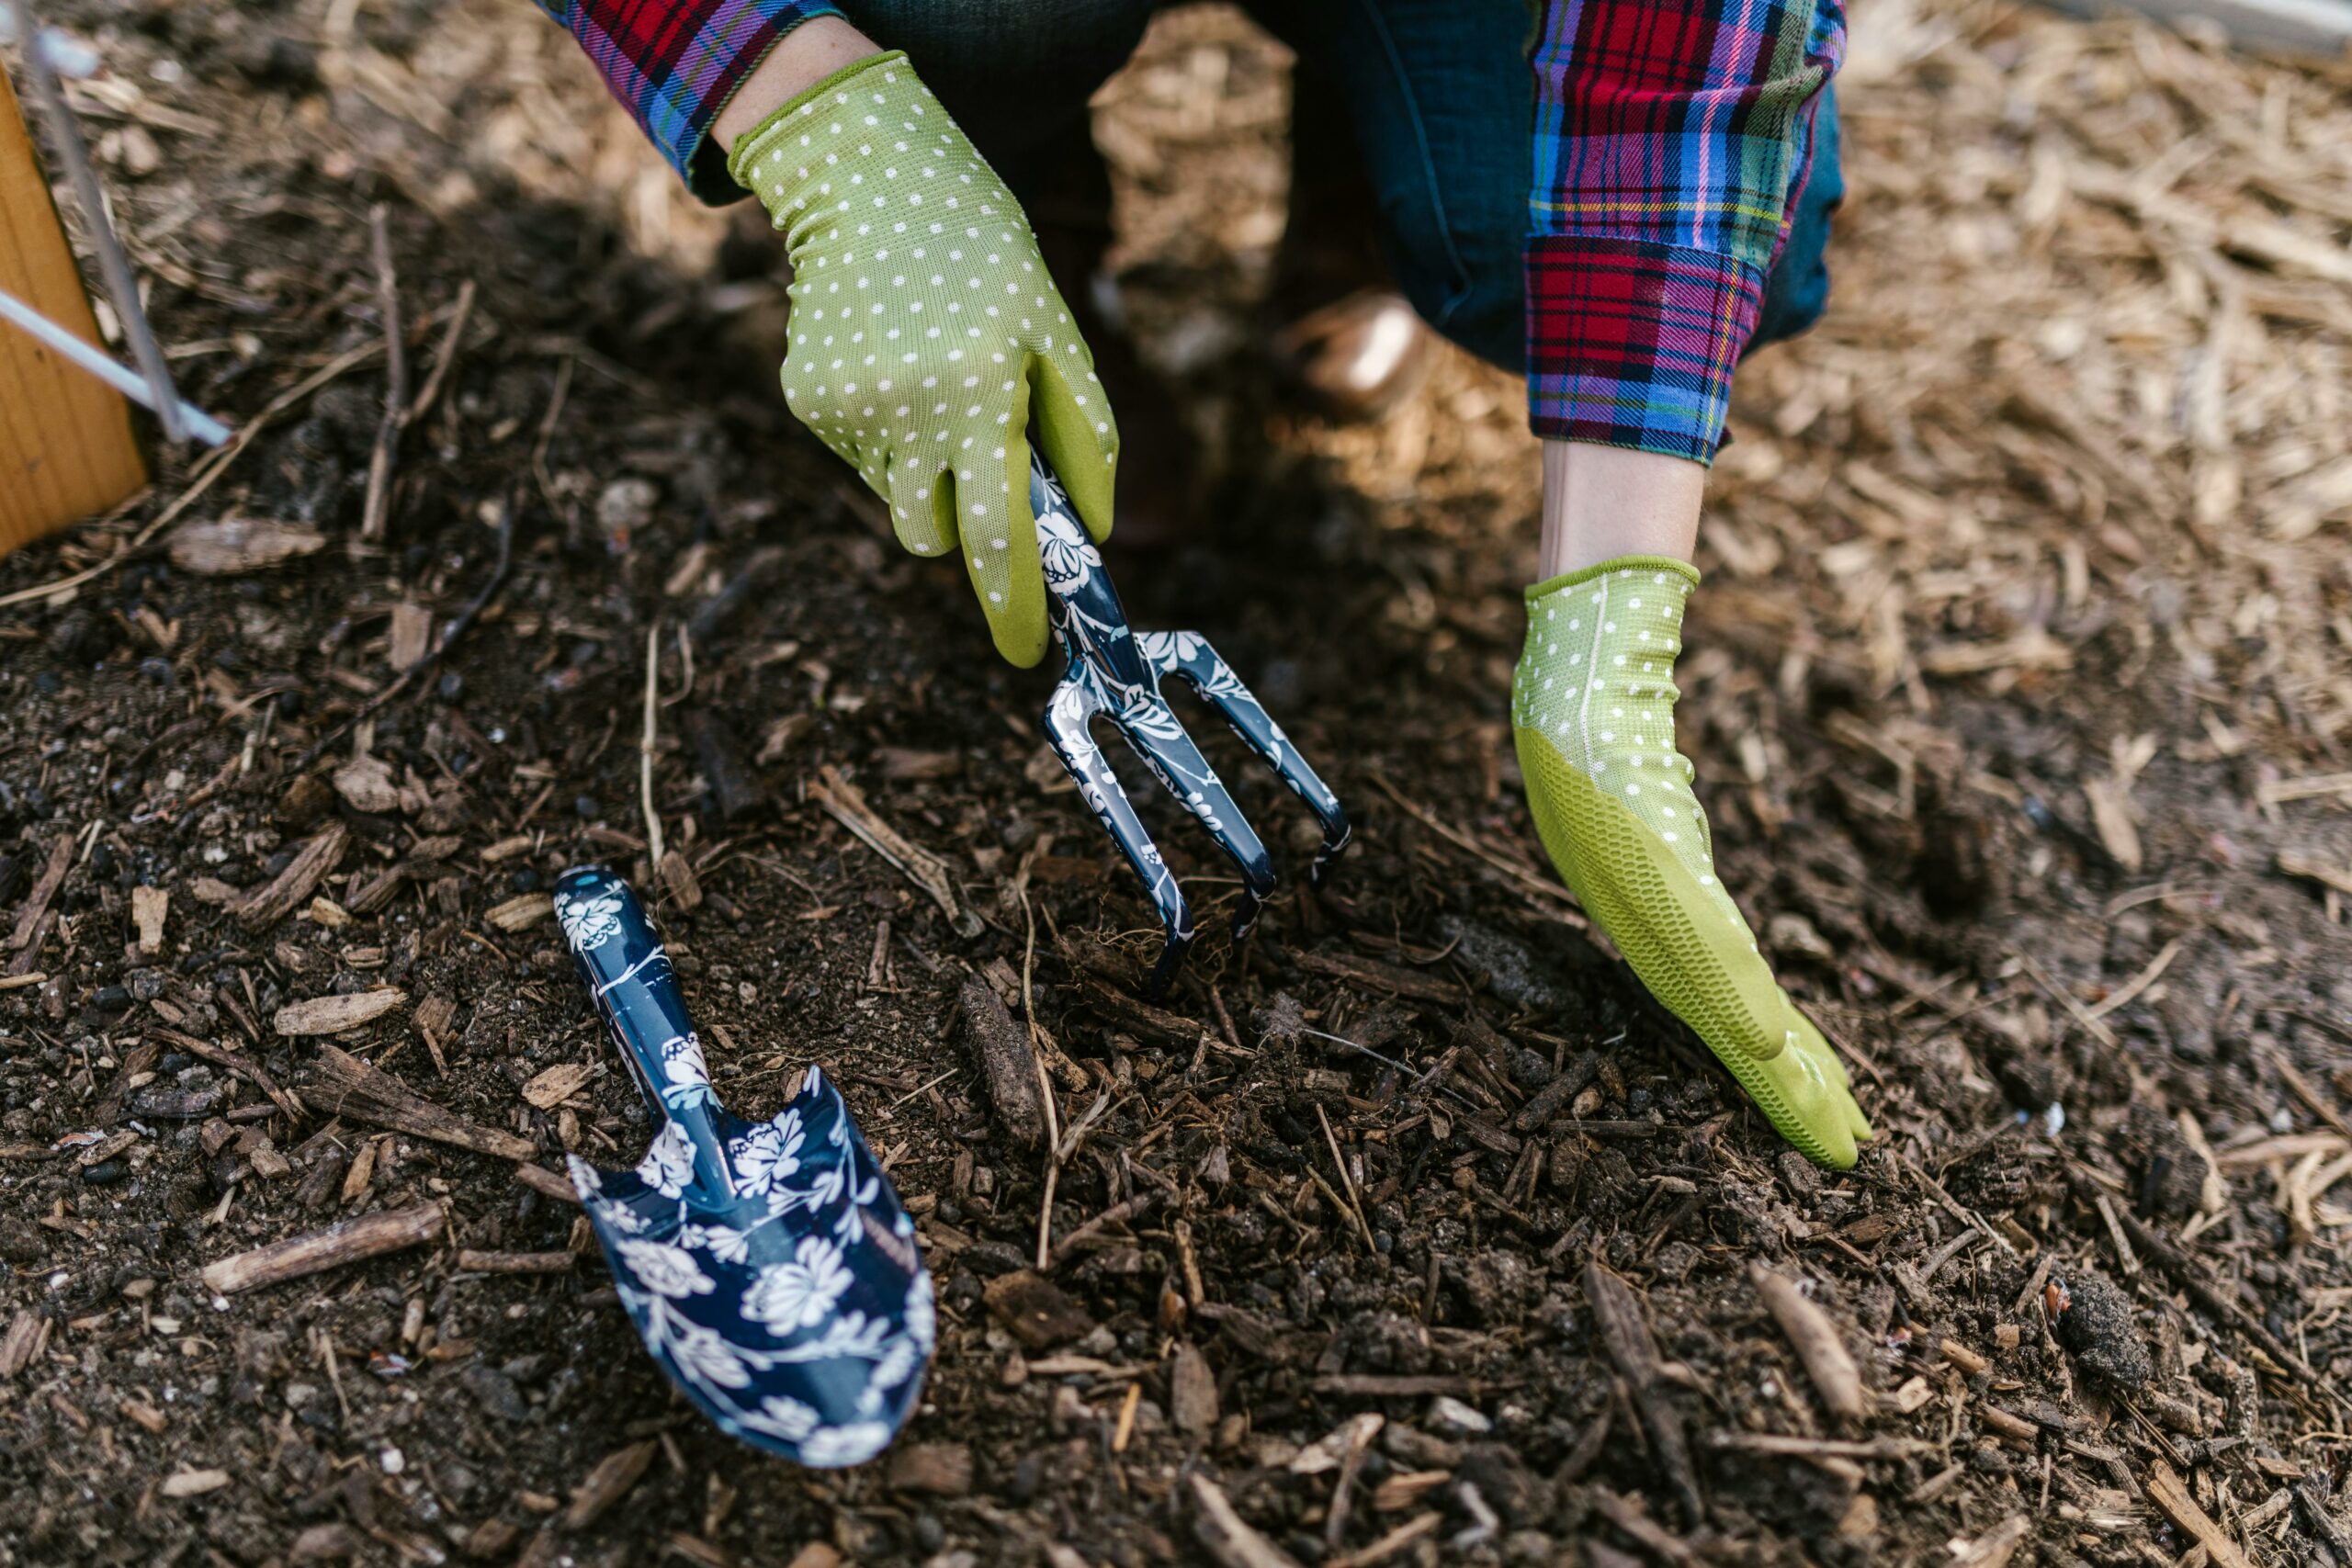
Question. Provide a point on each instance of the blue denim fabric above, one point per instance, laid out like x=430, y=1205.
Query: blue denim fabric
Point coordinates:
x=1442, y=103
x=1798, y=290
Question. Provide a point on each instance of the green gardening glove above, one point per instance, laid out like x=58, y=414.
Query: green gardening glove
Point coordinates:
x=1592, y=706
x=926, y=334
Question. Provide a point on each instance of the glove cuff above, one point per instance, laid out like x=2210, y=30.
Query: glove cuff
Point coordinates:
x=1681, y=569
x=753, y=142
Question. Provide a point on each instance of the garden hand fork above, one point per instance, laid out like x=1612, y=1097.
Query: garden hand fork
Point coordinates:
x=1117, y=672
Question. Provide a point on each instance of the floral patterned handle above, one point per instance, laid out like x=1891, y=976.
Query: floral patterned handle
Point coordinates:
x=1115, y=673
x=627, y=973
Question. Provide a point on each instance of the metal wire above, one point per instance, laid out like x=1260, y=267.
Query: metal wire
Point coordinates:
x=41, y=61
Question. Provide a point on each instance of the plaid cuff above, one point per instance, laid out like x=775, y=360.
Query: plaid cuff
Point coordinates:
x=1631, y=343
x=674, y=63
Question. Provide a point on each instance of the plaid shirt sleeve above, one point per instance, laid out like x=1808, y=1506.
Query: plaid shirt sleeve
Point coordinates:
x=674, y=63
x=1671, y=137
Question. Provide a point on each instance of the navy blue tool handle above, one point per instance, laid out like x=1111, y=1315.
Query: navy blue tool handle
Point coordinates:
x=1082, y=607
x=627, y=972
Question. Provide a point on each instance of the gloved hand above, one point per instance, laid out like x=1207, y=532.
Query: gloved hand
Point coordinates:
x=1592, y=707
x=925, y=332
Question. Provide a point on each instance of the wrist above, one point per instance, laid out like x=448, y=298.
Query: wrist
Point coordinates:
x=1600, y=502
x=817, y=48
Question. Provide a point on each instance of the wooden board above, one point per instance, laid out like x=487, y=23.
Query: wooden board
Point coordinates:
x=65, y=445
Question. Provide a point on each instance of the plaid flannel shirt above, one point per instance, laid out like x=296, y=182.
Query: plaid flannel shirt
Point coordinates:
x=1671, y=138
x=674, y=63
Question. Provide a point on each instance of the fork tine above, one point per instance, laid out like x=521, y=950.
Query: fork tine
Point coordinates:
x=1188, y=654
x=1158, y=737
x=1067, y=716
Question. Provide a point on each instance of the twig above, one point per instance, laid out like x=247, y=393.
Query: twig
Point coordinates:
x=458, y=626
x=1818, y=1344
x=1224, y=1535
x=370, y=1235
x=1037, y=1059
x=2128, y=1259
x=2065, y=998
x=1116, y=1213
x=214, y=464
x=1404, y=1068
x=649, y=741
x=388, y=429
x=2138, y=983
x=1527, y=880
x=1785, y=1446
x=1354, y=1209
x=443, y=358
x=547, y=437
x=1626, y=1335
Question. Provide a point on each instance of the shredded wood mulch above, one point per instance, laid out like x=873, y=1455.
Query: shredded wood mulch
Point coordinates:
x=2021, y=689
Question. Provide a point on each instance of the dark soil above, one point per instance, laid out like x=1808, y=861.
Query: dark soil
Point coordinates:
x=2090, y=1246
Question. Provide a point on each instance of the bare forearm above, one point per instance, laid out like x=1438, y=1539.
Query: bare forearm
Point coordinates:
x=801, y=59
x=1604, y=502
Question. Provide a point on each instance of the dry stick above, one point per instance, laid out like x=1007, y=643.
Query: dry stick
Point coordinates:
x=370, y=1235
x=1818, y=1345
x=214, y=464
x=36, y=905
x=1224, y=1535
x=1527, y=880
x=648, y=742
x=445, y=357
x=222, y=1057
x=1037, y=1059
x=1118, y=1213
x=1354, y=1209
x=388, y=429
x=2065, y=998
x=1785, y=1446
x=547, y=437
x=458, y=626
x=1626, y=1335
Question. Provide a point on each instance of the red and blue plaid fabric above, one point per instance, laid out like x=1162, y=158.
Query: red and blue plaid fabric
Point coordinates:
x=1671, y=139
x=674, y=63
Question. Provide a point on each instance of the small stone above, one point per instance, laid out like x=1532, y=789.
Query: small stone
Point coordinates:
x=1035, y=1311
x=1450, y=1415
x=943, y=1470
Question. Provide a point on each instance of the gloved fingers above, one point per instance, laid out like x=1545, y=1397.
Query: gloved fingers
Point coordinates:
x=980, y=507
x=916, y=481
x=1809, y=1039
x=1075, y=429
x=997, y=537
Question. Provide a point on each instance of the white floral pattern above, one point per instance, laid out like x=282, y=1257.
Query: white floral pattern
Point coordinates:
x=664, y=1269
x=588, y=923
x=668, y=1165
x=801, y=1293
x=922, y=1315
x=1115, y=671
x=768, y=1153
x=780, y=1289
x=686, y=1081
x=830, y=1447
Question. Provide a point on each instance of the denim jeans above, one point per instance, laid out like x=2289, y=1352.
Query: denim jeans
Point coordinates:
x=1439, y=96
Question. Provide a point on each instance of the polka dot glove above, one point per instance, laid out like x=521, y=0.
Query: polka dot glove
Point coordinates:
x=925, y=332
x=1592, y=707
